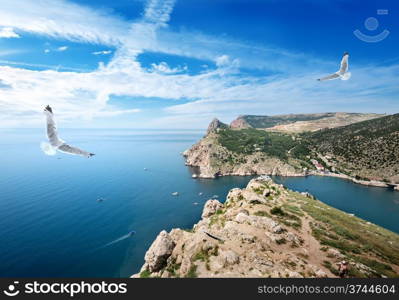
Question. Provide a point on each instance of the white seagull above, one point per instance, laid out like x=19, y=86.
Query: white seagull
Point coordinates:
x=342, y=73
x=55, y=142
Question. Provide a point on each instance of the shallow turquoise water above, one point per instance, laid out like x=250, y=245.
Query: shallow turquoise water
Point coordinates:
x=52, y=225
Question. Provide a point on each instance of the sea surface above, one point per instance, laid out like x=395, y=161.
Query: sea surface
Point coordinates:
x=51, y=224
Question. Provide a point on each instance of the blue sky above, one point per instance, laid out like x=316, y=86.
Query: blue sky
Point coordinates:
x=178, y=64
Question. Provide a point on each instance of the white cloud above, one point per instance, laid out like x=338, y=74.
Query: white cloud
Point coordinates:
x=103, y=52
x=164, y=68
x=113, y=113
x=158, y=11
x=221, y=92
x=8, y=32
x=62, y=48
x=65, y=20
x=62, y=19
x=42, y=66
x=222, y=60
x=47, y=50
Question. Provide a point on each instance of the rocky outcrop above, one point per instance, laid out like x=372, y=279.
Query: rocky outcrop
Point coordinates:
x=283, y=234
x=215, y=125
x=160, y=250
x=239, y=123
x=212, y=159
x=211, y=207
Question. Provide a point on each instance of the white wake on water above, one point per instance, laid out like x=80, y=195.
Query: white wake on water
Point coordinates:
x=116, y=241
x=47, y=149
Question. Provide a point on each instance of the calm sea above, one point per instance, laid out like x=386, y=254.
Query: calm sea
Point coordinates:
x=51, y=223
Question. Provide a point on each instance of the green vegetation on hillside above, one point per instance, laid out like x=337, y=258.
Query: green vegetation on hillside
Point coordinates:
x=356, y=239
x=248, y=141
x=362, y=147
x=365, y=150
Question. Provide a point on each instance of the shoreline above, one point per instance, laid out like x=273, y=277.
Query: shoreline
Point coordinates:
x=373, y=183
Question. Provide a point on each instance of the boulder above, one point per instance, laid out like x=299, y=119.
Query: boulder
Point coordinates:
x=334, y=253
x=321, y=274
x=259, y=222
x=228, y=258
x=156, y=257
x=211, y=207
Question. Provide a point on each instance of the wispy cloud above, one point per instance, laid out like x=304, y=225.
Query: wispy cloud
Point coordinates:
x=222, y=90
x=40, y=66
x=62, y=48
x=103, y=52
x=158, y=11
x=63, y=20
x=8, y=32
x=164, y=68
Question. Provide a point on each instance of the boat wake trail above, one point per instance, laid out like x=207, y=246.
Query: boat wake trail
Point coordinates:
x=124, y=237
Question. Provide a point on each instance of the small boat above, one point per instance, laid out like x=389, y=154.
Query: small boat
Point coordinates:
x=100, y=199
x=200, y=193
x=194, y=176
x=175, y=194
x=132, y=233
x=195, y=203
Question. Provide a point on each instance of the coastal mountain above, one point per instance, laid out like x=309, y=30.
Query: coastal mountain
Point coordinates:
x=215, y=126
x=365, y=152
x=267, y=230
x=300, y=122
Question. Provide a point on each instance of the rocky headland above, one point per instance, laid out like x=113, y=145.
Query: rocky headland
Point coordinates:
x=365, y=152
x=267, y=230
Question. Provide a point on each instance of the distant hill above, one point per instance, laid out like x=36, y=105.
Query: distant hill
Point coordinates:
x=300, y=122
x=368, y=149
x=366, y=152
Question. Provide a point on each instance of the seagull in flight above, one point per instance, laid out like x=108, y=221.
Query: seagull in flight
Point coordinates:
x=55, y=142
x=342, y=73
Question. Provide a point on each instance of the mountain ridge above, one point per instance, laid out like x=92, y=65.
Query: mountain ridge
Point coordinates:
x=300, y=122
x=365, y=152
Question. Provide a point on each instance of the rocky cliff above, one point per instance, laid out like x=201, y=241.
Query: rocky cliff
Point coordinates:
x=215, y=125
x=213, y=159
x=365, y=152
x=240, y=123
x=266, y=230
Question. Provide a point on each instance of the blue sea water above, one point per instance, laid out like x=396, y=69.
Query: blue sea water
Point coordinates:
x=51, y=223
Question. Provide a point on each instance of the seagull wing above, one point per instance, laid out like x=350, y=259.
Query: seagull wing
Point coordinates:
x=55, y=141
x=52, y=133
x=73, y=150
x=344, y=64
x=329, y=77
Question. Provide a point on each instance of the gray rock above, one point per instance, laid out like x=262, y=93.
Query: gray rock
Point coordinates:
x=210, y=208
x=160, y=250
x=228, y=257
x=243, y=211
x=334, y=253
x=215, y=125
